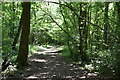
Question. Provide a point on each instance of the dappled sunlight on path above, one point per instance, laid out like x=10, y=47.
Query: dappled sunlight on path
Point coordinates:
x=48, y=64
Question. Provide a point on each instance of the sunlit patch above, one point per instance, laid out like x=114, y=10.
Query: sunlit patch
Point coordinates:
x=76, y=68
x=39, y=60
x=71, y=69
x=89, y=67
x=45, y=67
x=32, y=77
x=39, y=68
x=83, y=77
x=50, y=51
x=43, y=77
x=69, y=76
x=45, y=73
x=28, y=69
x=53, y=56
x=57, y=64
x=53, y=53
x=71, y=65
x=91, y=74
x=41, y=53
x=75, y=72
x=81, y=68
x=54, y=75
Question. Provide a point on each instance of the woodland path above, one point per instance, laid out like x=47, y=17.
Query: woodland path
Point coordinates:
x=49, y=65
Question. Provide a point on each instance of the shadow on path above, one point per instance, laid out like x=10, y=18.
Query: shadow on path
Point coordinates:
x=47, y=64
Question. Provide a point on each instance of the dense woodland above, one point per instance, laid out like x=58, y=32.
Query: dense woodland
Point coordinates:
x=88, y=33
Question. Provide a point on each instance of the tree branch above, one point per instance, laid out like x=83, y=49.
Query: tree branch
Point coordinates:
x=59, y=26
x=86, y=20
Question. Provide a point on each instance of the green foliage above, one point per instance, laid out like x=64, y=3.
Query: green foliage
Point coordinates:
x=10, y=22
x=104, y=62
x=65, y=52
x=34, y=48
x=58, y=24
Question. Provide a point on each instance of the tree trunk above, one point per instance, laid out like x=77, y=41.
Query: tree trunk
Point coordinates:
x=118, y=42
x=106, y=25
x=83, y=33
x=17, y=34
x=23, y=49
x=12, y=21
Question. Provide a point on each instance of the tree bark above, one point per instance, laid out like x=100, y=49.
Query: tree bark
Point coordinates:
x=24, y=42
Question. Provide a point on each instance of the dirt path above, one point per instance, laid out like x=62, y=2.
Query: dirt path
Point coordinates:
x=47, y=64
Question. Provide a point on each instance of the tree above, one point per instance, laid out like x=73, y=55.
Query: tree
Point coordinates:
x=9, y=25
x=106, y=25
x=118, y=42
x=24, y=41
x=83, y=32
x=17, y=34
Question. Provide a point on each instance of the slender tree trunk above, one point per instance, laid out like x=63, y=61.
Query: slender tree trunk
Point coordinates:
x=12, y=21
x=6, y=62
x=90, y=36
x=118, y=42
x=17, y=34
x=23, y=49
x=106, y=25
x=83, y=33
x=80, y=51
x=97, y=30
x=68, y=37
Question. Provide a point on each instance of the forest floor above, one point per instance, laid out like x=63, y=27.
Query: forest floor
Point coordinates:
x=47, y=64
